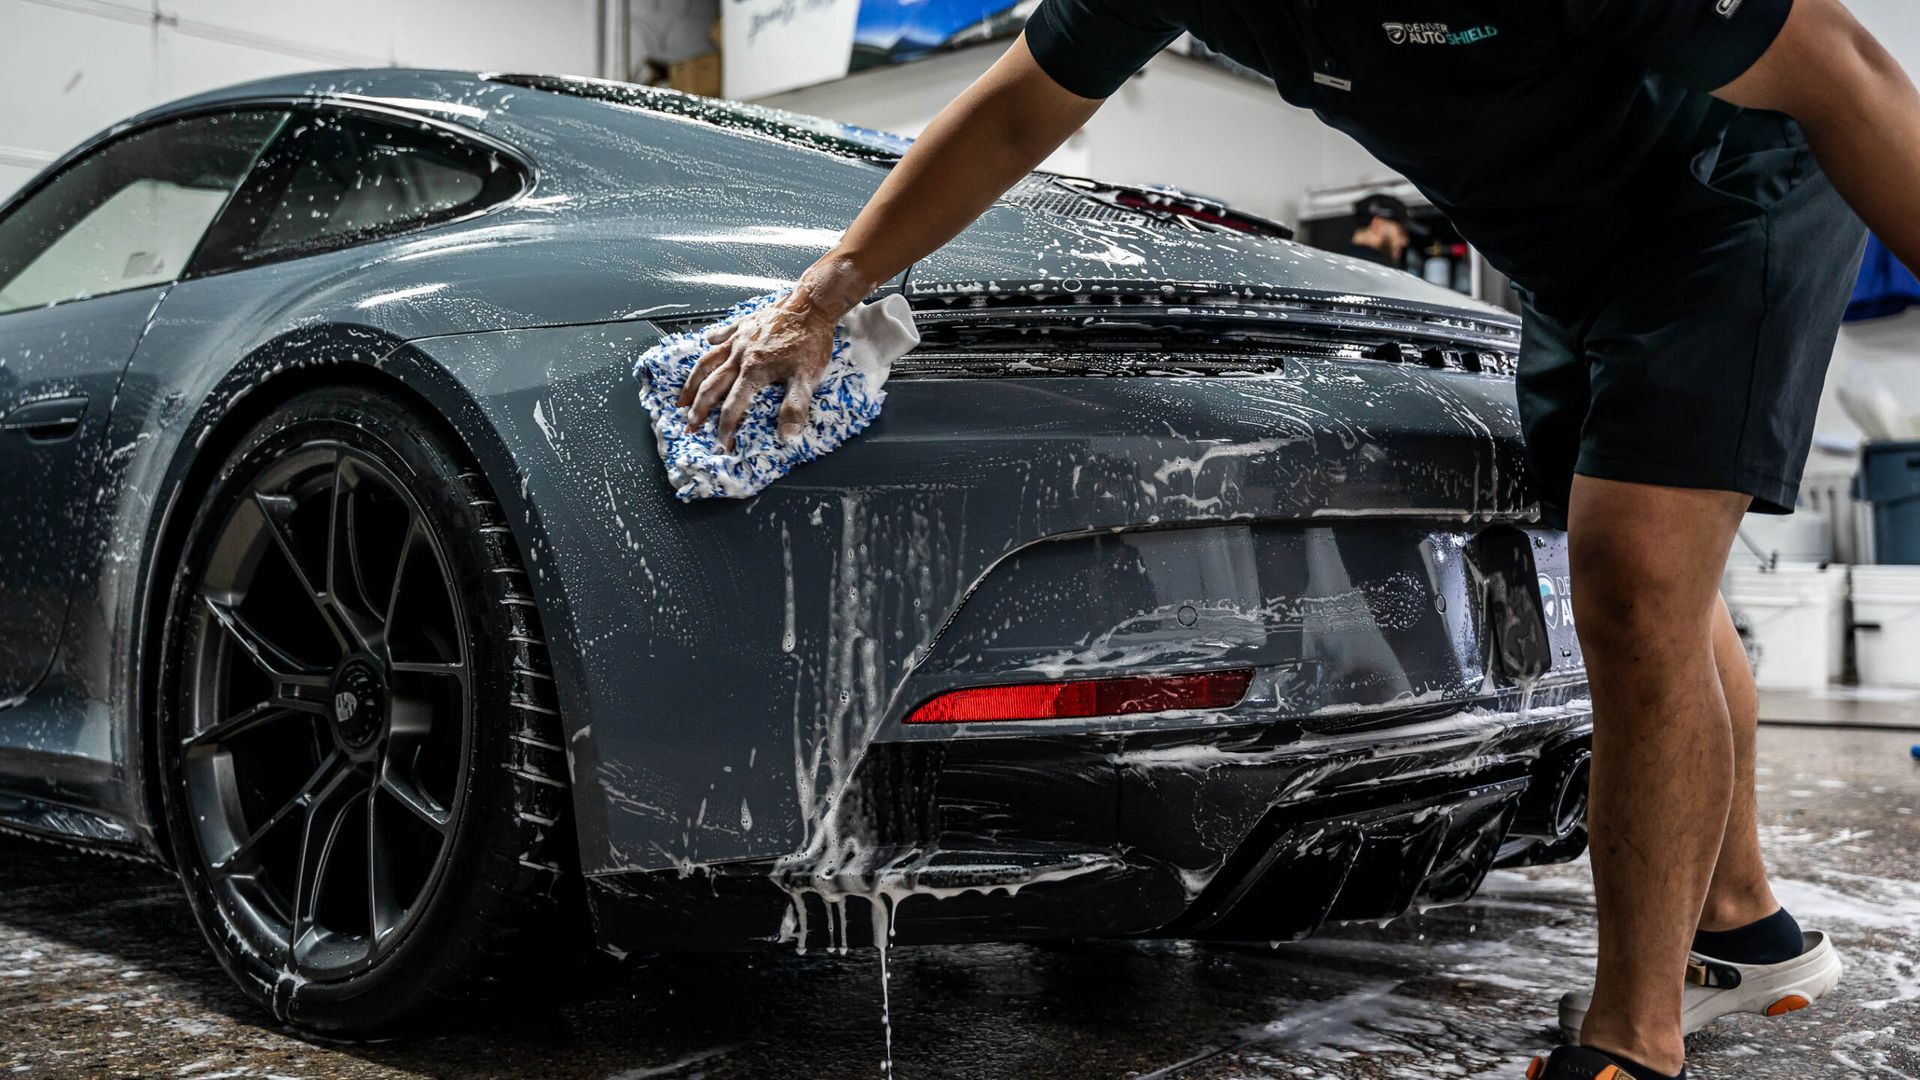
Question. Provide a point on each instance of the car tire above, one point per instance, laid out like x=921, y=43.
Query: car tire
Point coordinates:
x=400, y=690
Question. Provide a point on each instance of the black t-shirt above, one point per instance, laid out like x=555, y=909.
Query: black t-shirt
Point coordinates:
x=1548, y=131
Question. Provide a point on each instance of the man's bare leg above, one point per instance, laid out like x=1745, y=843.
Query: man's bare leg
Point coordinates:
x=1739, y=893
x=1646, y=566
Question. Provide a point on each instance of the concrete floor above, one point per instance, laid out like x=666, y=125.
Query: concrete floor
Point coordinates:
x=103, y=974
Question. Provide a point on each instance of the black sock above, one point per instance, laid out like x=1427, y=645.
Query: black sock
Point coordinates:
x=1765, y=941
x=1642, y=1072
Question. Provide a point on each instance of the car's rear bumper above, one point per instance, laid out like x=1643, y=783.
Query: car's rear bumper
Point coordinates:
x=1260, y=831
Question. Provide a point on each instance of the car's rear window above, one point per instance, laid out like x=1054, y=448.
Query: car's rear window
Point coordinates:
x=357, y=177
x=845, y=140
x=339, y=178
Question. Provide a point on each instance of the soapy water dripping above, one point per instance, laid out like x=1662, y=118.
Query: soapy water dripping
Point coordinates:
x=851, y=667
x=882, y=913
x=838, y=862
x=832, y=865
x=885, y=889
x=829, y=743
x=787, y=636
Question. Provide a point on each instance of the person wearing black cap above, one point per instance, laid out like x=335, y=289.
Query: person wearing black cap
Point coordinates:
x=1677, y=188
x=1384, y=231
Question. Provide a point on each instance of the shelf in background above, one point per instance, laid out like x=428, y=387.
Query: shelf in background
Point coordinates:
x=1843, y=706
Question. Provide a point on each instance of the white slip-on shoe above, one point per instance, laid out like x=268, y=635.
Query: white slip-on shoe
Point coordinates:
x=1716, y=988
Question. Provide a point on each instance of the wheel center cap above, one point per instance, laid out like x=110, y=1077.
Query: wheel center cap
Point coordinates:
x=359, y=703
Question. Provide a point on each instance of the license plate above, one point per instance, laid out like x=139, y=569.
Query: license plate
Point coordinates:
x=1556, y=596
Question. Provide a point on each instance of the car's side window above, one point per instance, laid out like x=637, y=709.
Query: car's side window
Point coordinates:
x=339, y=178
x=130, y=213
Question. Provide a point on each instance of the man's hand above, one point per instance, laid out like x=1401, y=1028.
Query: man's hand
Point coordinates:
x=1858, y=108
x=786, y=342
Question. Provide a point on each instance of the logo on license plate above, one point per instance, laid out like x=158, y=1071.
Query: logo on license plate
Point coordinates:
x=1556, y=601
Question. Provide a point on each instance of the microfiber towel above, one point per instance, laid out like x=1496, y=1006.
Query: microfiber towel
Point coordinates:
x=865, y=345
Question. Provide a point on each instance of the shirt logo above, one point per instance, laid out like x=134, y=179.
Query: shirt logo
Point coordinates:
x=1438, y=33
x=1726, y=8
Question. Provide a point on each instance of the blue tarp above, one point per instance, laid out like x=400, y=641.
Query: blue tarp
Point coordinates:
x=1884, y=287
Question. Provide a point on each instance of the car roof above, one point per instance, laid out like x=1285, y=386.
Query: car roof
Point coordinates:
x=423, y=88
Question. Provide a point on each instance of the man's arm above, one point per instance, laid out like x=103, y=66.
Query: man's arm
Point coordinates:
x=1859, y=110
x=989, y=137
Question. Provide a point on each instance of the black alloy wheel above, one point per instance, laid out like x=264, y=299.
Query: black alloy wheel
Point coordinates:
x=363, y=767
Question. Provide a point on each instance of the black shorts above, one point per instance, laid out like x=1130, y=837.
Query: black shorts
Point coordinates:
x=1698, y=360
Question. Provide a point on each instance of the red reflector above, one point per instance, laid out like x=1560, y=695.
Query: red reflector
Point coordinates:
x=1086, y=697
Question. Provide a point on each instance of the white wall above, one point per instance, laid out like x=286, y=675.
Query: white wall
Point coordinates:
x=71, y=67
x=1181, y=121
x=1896, y=23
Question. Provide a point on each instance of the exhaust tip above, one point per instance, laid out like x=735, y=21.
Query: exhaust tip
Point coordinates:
x=1570, y=804
x=1555, y=802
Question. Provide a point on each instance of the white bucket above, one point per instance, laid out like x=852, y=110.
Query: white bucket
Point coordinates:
x=1886, y=625
x=1802, y=536
x=1796, y=616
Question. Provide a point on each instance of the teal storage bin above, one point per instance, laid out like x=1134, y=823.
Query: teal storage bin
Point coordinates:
x=1890, y=480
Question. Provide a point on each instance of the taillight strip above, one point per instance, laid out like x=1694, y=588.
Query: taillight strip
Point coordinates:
x=1086, y=697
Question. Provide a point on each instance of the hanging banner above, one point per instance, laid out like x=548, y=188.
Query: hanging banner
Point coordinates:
x=895, y=31
x=772, y=45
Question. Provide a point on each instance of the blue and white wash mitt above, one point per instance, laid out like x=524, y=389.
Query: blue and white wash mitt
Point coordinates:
x=865, y=345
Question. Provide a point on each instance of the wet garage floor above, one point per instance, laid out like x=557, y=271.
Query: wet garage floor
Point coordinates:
x=103, y=974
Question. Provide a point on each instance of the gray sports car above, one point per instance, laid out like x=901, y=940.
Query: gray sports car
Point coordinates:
x=1189, y=585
